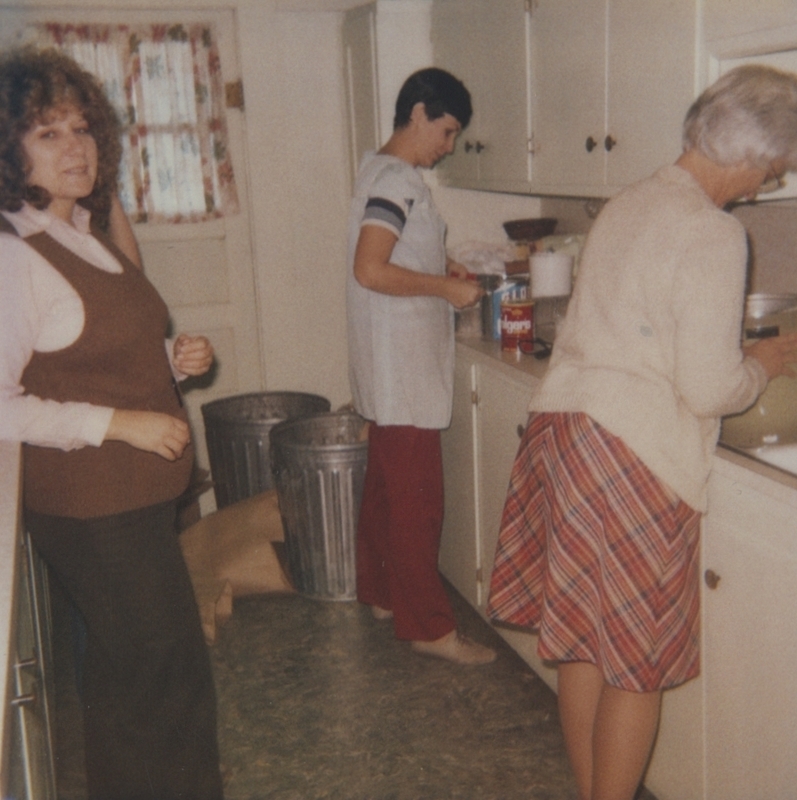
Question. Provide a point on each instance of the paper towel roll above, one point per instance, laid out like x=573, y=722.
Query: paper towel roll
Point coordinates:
x=551, y=274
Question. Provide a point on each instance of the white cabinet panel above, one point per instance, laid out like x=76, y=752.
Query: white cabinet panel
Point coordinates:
x=502, y=417
x=750, y=644
x=486, y=46
x=612, y=81
x=568, y=80
x=459, y=560
x=651, y=84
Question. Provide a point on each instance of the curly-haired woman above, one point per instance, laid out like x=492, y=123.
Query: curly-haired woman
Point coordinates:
x=88, y=385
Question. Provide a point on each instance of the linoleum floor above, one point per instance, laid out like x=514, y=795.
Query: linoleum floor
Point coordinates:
x=319, y=701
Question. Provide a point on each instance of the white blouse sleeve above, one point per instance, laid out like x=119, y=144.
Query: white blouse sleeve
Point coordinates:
x=24, y=304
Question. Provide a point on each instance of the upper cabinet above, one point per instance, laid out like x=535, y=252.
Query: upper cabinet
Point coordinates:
x=760, y=23
x=579, y=98
x=737, y=33
x=486, y=45
x=571, y=97
x=612, y=80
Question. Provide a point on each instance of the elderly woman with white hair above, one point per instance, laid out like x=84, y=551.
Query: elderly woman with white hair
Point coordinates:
x=598, y=548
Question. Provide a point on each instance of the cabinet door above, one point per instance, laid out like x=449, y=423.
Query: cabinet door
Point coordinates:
x=503, y=127
x=502, y=418
x=651, y=69
x=457, y=44
x=486, y=46
x=31, y=772
x=458, y=554
x=750, y=654
x=728, y=19
x=569, y=79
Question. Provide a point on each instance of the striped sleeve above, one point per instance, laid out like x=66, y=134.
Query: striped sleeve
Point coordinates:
x=379, y=211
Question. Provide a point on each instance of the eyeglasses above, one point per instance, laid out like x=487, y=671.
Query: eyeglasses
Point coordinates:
x=772, y=182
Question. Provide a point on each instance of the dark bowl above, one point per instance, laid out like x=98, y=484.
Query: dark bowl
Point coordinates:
x=529, y=230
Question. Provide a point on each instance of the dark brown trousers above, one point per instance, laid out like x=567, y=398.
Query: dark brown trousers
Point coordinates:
x=148, y=696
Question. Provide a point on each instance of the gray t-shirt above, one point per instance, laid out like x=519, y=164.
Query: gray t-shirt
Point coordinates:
x=401, y=349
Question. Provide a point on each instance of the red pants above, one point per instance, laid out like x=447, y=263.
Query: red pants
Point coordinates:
x=398, y=536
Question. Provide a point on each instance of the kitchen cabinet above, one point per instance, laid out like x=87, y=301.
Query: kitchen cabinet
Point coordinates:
x=31, y=760
x=478, y=452
x=738, y=34
x=502, y=403
x=459, y=556
x=612, y=81
x=486, y=45
x=27, y=769
x=764, y=23
x=731, y=733
x=491, y=395
x=750, y=638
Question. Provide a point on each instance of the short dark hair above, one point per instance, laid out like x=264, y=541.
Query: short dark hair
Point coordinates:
x=32, y=84
x=439, y=91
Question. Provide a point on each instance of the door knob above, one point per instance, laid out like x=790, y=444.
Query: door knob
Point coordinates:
x=479, y=146
x=468, y=147
x=711, y=578
x=609, y=143
x=590, y=144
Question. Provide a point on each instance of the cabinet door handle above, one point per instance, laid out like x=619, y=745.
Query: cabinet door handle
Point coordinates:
x=468, y=147
x=23, y=700
x=609, y=142
x=711, y=578
x=27, y=663
x=480, y=146
x=590, y=144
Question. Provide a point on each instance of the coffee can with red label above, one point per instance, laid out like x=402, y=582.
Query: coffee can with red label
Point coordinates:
x=517, y=324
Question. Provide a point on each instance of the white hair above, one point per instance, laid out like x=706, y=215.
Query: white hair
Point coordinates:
x=748, y=116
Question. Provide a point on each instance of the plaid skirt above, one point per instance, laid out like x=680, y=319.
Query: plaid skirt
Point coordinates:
x=599, y=556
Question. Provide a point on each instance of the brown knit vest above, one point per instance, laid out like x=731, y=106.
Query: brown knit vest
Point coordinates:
x=119, y=360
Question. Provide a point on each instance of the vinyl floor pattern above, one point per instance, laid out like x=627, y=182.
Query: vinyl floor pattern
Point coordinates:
x=319, y=701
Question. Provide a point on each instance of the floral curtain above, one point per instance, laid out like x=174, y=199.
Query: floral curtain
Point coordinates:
x=165, y=82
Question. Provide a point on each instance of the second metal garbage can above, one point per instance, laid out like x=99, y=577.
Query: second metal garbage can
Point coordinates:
x=319, y=471
x=237, y=435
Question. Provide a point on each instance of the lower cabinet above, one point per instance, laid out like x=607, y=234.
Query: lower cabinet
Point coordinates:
x=750, y=637
x=30, y=761
x=730, y=734
x=491, y=396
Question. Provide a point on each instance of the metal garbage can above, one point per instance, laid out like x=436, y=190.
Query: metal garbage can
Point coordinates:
x=237, y=434
x=319, y=470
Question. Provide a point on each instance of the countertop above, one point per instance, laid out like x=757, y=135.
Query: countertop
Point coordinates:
x=774, y=480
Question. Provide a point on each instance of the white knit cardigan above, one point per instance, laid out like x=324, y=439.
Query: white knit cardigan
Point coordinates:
x=651, y=346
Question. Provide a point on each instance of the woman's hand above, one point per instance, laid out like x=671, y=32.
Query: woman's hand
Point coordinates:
x=462, y=293
x=778, y=354
x=192, y=355
x=456, y=270
x=150, y=431
x=374, y=270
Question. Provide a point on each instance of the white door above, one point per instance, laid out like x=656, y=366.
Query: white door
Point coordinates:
x=204, y=270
